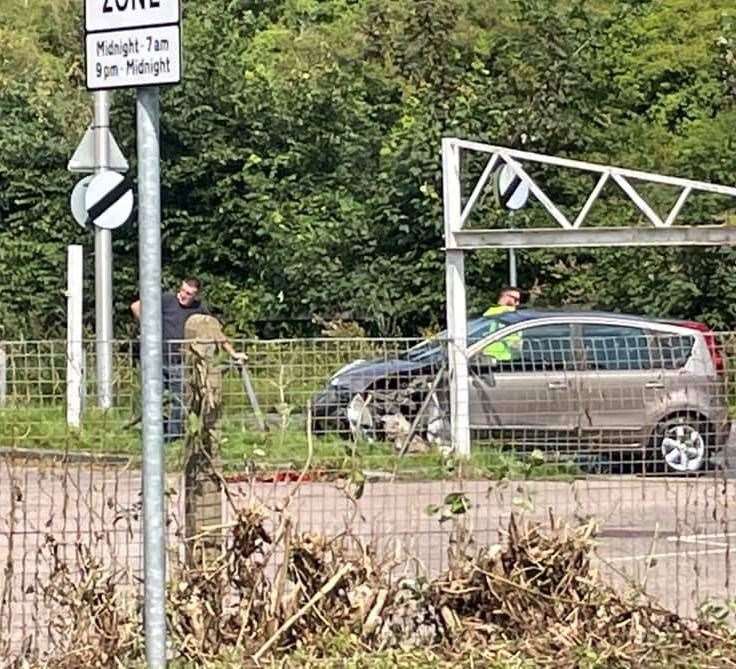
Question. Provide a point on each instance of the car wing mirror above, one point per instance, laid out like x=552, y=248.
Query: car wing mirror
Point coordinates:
x=483, y=364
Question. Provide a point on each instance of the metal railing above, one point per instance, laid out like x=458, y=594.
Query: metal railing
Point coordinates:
x=629, y=427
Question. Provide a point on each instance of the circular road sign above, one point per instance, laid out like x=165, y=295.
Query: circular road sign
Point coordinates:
x=79, y=210
x=511, y=191
x=109, y=200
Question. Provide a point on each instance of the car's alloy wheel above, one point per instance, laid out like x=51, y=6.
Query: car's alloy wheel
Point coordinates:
x=683, y=446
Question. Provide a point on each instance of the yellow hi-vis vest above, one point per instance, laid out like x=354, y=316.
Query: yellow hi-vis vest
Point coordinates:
x=507, y=348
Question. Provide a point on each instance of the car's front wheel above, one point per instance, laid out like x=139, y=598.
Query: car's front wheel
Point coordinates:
x=681, y=444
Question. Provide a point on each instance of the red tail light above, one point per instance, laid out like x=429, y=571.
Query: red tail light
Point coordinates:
x=710, y=342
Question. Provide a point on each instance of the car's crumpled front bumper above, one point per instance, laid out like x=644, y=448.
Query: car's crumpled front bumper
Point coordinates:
x=329, y=410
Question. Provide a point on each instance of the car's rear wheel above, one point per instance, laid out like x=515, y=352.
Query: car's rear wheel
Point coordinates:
x=681, y=445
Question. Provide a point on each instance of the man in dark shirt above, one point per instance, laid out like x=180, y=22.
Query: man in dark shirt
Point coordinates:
x=175, y=309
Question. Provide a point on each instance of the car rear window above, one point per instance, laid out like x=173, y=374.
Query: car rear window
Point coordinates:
x=671, y=351
x=614, y=347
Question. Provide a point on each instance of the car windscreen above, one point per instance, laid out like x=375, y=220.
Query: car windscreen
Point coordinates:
x=478, y=328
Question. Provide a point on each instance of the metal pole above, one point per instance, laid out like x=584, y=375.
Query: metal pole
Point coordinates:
x=3, y=375
x=149, y=252
x=512, y=267
x=103, y=262
x=457, y=317
x=512, y=255
x=74, y=343
x=457, y=348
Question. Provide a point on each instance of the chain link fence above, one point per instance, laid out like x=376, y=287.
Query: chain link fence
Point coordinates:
x=628, y=425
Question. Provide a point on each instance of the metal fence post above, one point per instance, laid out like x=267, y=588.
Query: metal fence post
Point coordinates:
x=74, y=336
x=3, y=375
x=149, y=250
x=456, y=305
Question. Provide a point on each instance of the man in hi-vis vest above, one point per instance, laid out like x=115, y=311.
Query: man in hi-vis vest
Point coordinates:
x=509, y=347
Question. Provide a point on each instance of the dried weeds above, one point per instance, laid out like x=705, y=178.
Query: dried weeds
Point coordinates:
x=540, y=593
x=98, y=622
x=536, y=596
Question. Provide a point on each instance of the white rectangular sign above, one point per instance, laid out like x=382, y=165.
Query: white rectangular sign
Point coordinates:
x=121, y=14
x=132, y=58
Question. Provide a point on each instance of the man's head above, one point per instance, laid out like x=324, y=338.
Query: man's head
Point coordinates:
x=509, y=296
x=189, y=291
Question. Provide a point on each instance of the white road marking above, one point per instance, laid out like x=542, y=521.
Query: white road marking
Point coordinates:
x=664, y=556
x=704, y=539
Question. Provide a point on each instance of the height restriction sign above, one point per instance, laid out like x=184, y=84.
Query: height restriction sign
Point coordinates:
x=132, y=43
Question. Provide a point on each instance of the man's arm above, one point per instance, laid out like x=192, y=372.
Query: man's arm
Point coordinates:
x=136, y=309
x=238, y=357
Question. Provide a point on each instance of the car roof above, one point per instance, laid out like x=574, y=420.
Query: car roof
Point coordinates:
x=534, y=314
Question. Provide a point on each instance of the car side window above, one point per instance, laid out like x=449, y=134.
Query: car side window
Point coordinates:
x=533, y=349
x=616, y=347
x=671, y=351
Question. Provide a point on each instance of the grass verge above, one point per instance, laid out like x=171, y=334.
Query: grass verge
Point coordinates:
x=283, y=447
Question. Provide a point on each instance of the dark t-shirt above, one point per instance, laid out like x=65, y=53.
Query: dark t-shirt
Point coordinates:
x=174, y=316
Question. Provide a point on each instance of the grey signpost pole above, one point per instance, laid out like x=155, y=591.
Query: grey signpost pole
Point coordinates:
x=153, y=32
x=149, y=251
x=103, y=262
x=512, y=267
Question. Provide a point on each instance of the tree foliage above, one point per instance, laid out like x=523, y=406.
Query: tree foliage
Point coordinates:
x=301, y=154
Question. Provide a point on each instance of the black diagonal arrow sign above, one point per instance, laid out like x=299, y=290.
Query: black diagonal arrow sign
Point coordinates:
x=511, y=190
x=508, y=191
x=109, y=200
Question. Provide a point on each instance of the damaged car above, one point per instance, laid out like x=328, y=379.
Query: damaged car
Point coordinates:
x=562, y=381
x=364, y=394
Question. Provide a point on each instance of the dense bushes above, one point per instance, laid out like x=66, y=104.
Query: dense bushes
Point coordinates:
x=301, y=165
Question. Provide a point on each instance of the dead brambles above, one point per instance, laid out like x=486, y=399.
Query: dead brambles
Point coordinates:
x=221, y=603
x=541, y=594
x=537, y=597
x=99, y=622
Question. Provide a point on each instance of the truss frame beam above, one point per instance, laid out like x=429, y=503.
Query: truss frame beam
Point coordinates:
x=710, y=235
x=699, y=235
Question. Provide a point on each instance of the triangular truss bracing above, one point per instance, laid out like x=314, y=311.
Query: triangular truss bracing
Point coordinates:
x=572, y=232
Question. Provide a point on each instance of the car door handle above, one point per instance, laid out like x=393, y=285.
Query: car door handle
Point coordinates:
x=557, y=385
x=654, y=385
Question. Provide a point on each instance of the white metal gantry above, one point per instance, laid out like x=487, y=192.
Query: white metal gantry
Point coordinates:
x=564, y=233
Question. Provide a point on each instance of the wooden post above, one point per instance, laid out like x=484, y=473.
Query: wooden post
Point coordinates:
x=203, y=466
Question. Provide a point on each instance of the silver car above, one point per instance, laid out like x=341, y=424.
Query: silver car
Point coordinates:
x=567, y=382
